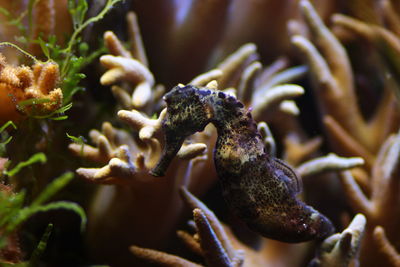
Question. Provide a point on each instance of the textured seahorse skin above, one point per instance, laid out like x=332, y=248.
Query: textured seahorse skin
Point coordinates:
x=259, y=189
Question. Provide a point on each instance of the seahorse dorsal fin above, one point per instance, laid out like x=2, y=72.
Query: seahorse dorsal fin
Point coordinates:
x=292, y=181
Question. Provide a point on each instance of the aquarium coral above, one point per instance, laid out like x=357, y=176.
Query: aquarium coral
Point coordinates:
x=199, y=133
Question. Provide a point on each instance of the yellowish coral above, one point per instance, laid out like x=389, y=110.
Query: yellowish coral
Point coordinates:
x=342, y=248
x=37, y=84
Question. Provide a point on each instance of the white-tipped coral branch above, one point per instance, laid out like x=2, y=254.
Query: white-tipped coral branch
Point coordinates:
x=125, y=69
x=135, y=38
x=247, y=81
x=235, y=62
x=386, y=248
x=158, y=258
x=119, y=170
x=114, y=46
x=331, y=162
x=205, y=78
x=191, y=151
x=269, y=140
x=342, y=248
x=128, y=68
x=141, y=123
x=276, y=95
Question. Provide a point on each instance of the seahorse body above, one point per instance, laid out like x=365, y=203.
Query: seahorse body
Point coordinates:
x=260, y=189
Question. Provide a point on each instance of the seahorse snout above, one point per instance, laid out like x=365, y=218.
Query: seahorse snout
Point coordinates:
x=323, y=226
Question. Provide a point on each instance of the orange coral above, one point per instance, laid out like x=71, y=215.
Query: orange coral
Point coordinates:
x=22, y=83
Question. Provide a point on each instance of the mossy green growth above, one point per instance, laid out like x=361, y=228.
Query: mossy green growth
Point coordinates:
x=5, y=138
x=75, y=55
x=14, y=211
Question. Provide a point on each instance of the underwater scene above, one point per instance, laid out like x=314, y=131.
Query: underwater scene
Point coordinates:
x=188, y=133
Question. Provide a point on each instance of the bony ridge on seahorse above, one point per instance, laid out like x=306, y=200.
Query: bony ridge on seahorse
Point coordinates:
x=260, y=189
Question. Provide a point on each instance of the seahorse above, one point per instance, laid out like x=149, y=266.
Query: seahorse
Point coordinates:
x=260, y=189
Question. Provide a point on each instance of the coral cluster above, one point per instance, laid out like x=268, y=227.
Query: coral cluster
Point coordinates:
x=21, y=84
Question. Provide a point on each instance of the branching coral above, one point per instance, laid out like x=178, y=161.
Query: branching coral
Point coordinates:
x=130, y=157
x=227, y=24
x=348, y=131
x=212, y=240
x=128, y=66
x=37, y=84
x=373, y=194
x=143, y=149
x=380, y=207
x=385, y=41
x=340, y=249
x=239, y=74
x=227, y=250
x=351, y=133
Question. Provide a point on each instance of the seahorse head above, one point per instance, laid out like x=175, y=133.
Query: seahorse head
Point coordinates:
x=187, y=113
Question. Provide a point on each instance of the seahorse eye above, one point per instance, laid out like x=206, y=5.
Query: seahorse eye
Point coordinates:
x=167, y=99
x=221, y=95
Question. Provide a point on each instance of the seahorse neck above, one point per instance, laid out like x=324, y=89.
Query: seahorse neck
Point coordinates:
x=238, y=137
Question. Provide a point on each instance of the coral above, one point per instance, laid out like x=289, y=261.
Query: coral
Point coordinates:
x=385, y=247
x=385, y=41
x=129, y=163
x=185, y=51
x=380, y=207
x=349, y=133
x=218, y=246
x=128, y=66
x=28, y=91
x=342, y=248
x=240, y=75
x=212, y=240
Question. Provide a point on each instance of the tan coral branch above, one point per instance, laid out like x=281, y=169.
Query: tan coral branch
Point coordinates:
x=339, y=249
x=135, y=37
x=385, y=246
x=158, y=258
x=331, y=162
